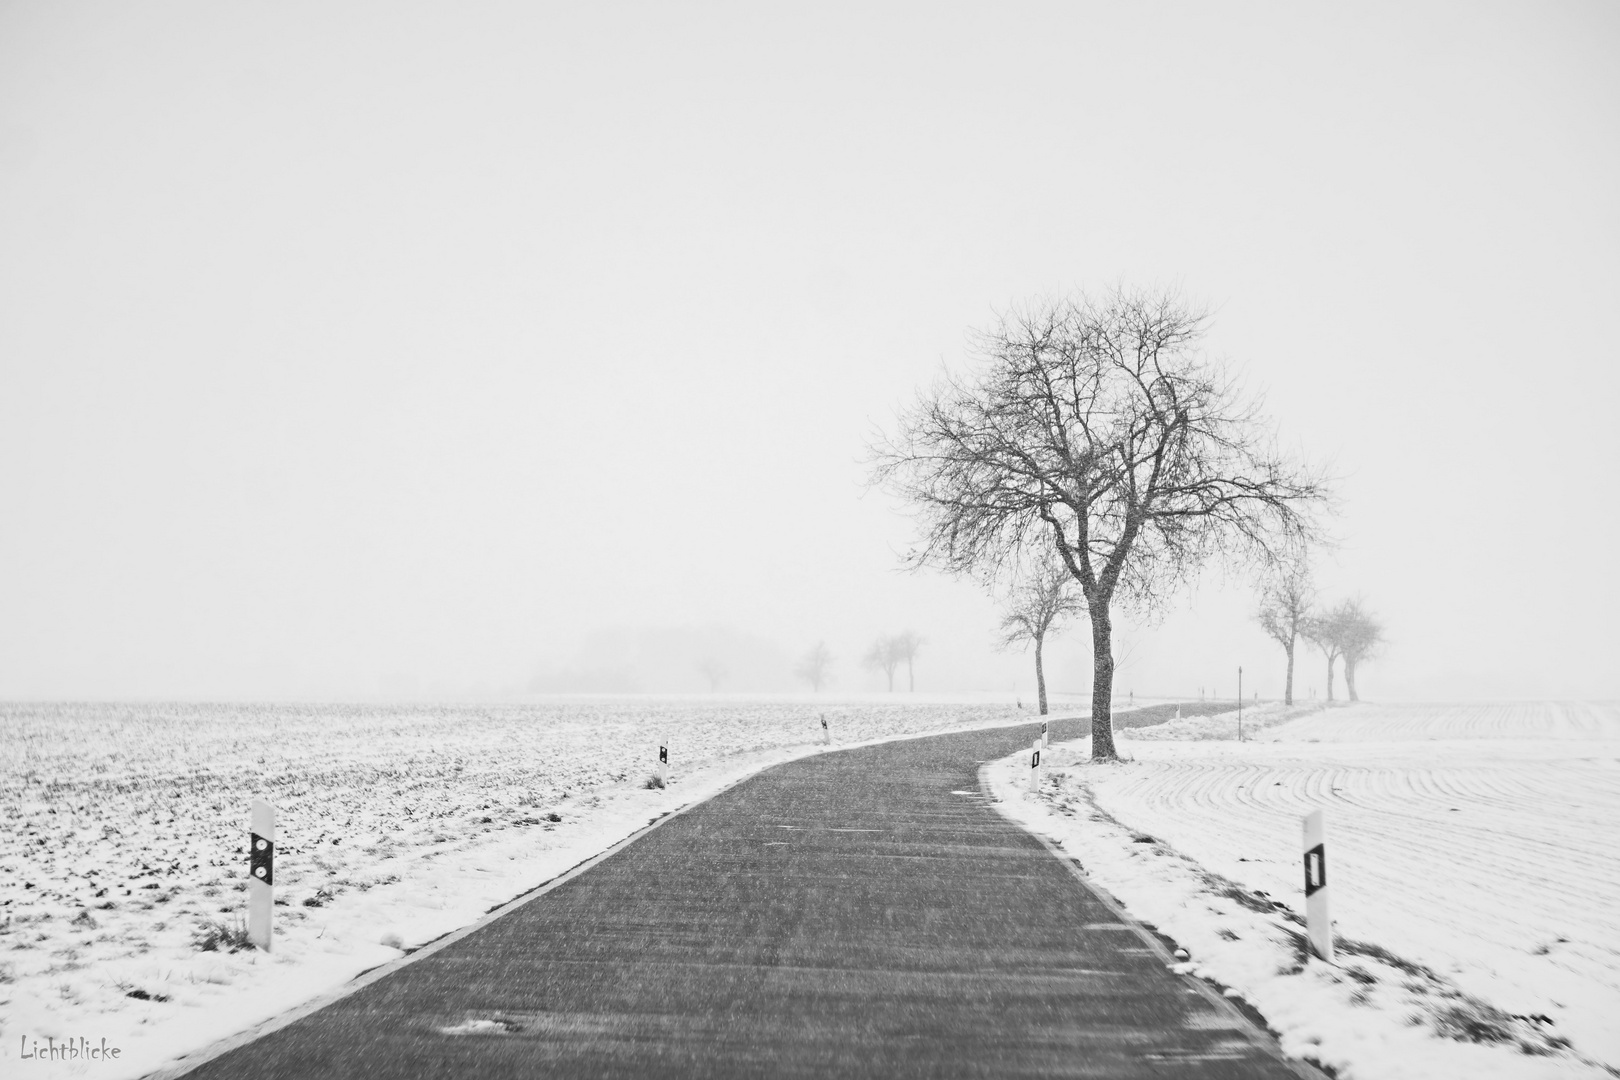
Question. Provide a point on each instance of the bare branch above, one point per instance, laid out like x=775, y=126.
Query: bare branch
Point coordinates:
x=1098, y=430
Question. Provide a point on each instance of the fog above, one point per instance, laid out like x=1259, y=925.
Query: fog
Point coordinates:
x=478, y=350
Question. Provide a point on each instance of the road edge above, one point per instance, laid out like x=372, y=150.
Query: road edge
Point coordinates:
x=220, y=1047
x=1263, y=1038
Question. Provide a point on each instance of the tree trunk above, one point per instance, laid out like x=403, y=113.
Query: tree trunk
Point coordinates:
x=911, y=677
x=1040, y=675
x=1331, y=658
x=1350, y=678
x=1288, y=687
x=1102, y=684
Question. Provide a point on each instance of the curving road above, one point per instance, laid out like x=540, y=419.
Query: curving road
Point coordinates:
x=859, y=913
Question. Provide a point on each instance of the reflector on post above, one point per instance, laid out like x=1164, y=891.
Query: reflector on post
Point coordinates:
x=261, y=873
x=1318, y=925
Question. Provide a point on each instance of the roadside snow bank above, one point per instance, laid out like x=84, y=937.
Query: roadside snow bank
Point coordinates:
x=1473, y=881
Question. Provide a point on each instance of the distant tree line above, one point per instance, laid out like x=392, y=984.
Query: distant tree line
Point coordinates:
x=887, y=653
x=1347, y=631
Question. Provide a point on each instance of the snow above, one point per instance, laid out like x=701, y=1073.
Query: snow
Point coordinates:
x=126, y=830
x=1474, y=862
x=1474, y=855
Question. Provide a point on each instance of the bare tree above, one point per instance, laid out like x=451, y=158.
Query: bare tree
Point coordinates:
x=883, y=657
x=816, y=666
x=1360, y=635
x=1285, y=606
x=1036, y=603
x=1322, y=630
x=905, y=645
x=1097, y=429
x=714, y=671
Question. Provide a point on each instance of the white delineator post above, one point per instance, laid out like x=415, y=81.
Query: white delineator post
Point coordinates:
x=1035, y=766
x=826, y=732
x=1240, y=704
x=1046, y=735
x=261, y=873
x=1318, y=926
x=663, y=762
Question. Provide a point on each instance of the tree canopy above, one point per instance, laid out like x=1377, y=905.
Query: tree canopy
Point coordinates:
x=1101, y=430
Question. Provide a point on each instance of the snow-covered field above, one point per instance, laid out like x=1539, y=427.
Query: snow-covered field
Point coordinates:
x=125, y=830
x=1474, y=855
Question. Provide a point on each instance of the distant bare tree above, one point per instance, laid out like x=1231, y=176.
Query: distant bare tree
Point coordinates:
x=905, y=645
x=1322, y=630
x=1036, y=603
x=816, y=666
x=1285, y=606
x=714, y=671
x=1360, y=635
x=883, y=657
x=1097, y=429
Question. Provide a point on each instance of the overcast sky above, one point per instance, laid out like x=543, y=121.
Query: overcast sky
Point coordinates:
x=341, y=343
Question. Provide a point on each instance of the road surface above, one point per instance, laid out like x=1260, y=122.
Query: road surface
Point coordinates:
x=860, y=913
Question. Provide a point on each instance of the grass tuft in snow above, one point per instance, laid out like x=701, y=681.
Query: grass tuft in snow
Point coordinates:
x=218, y=935
x=130, y=990
x=1467, y=1019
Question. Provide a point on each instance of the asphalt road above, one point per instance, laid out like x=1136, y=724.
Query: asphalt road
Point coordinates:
x=859, y=913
